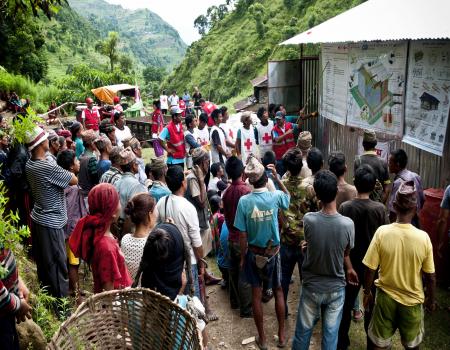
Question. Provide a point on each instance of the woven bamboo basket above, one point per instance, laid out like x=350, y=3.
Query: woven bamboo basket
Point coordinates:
x=135, y=318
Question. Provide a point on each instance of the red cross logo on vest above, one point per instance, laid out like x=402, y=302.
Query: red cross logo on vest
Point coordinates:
x=248, y=144
x=230, y=133
x=203, y=142
x=266, y=138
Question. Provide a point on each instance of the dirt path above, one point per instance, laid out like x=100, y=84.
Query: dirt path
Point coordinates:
x=230, y=330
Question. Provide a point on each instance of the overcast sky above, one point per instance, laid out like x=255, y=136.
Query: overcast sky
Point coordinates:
x=180, y=14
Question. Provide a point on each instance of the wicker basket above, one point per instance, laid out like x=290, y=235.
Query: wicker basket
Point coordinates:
x=128, y=319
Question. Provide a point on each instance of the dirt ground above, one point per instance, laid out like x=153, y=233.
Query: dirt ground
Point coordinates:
x=230, y=330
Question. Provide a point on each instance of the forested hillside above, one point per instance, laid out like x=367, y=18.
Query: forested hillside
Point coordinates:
x=144, y=35
x=237, y=47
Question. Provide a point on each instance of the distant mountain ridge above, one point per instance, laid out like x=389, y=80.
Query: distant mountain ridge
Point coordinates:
x=144, y=35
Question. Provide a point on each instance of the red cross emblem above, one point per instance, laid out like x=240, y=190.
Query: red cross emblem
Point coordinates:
x=266, y=138
x=248, y=144
x=230, y=133
x=203, y=142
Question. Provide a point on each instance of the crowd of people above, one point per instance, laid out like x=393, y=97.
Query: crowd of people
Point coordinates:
x=258, y=198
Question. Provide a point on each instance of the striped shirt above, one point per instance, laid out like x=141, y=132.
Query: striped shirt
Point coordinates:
x=47, y=182
x=9, y=291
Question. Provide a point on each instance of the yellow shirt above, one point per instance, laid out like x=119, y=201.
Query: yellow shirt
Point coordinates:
x=401, y=252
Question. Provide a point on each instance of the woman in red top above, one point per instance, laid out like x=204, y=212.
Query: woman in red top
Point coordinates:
x=157, y=126
x=93, y=241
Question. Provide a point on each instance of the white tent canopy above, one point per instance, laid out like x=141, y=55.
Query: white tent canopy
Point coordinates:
x=383, y=20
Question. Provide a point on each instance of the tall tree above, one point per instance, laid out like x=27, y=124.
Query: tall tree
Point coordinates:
x=109, y=48
x=202, y=24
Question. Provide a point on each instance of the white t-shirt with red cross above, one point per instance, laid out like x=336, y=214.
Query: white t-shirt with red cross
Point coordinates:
x=248, y=143
x=264, y=137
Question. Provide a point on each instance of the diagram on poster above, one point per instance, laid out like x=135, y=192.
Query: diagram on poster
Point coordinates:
x=333, y=104
x=428, y=95
x=376, y=86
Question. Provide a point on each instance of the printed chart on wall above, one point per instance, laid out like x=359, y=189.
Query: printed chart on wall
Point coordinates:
x=376, y=86
x=428, y=95
x=334, y=83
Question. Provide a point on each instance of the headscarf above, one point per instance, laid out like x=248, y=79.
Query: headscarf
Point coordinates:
x=103, y=200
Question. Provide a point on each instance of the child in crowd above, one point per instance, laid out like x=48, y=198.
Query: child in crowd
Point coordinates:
x=140, y=209
x=216, y=220
x=76, y=209
x=104, y=146
x=157, y=126
x=76, y=129
x=217, y=171
x=137, y=150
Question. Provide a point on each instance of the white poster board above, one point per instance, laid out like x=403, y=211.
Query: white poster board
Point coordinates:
x=428, y=95
x=376, y=86
x=333, y=104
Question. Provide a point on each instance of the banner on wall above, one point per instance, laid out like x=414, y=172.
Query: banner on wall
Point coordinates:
x=428, y=95
x=376, y=85
x=333, y=104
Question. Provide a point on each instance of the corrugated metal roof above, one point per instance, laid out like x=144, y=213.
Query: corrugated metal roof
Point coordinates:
x=259, y=80
x=382, y=20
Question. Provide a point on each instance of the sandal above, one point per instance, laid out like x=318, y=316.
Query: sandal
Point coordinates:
x=282, y=345
x=259, y=345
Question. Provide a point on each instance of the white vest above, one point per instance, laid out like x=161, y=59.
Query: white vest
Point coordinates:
x=215, y=155
x=203, y=137
x=229, y=132
x=264, y=137
x=248, y=143
x=188, y=147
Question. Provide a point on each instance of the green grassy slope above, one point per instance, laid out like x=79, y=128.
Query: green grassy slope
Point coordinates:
x=69, y=41
x=144, y=35
x=223, y=61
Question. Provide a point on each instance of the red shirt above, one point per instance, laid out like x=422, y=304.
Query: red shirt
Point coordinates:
x=108, y=265
x=230, y=199
x=157, y=121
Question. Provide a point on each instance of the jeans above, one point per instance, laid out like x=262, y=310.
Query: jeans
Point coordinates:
x=240, y=290
x=290, y=256
x=311, y=306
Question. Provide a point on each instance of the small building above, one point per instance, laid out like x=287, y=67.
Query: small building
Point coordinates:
x=429, y=102
x=258, y=99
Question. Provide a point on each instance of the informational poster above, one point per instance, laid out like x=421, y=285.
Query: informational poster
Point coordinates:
x=376, y=86
x=428, y=95
x=333, y=104
x=383, y=149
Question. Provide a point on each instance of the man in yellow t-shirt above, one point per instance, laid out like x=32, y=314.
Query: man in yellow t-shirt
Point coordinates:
x=402, y=254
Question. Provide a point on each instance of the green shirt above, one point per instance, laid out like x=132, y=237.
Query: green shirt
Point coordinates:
x=303, y=200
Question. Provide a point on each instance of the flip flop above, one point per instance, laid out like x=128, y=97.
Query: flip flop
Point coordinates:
x=281, y=345
x=259, y=345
